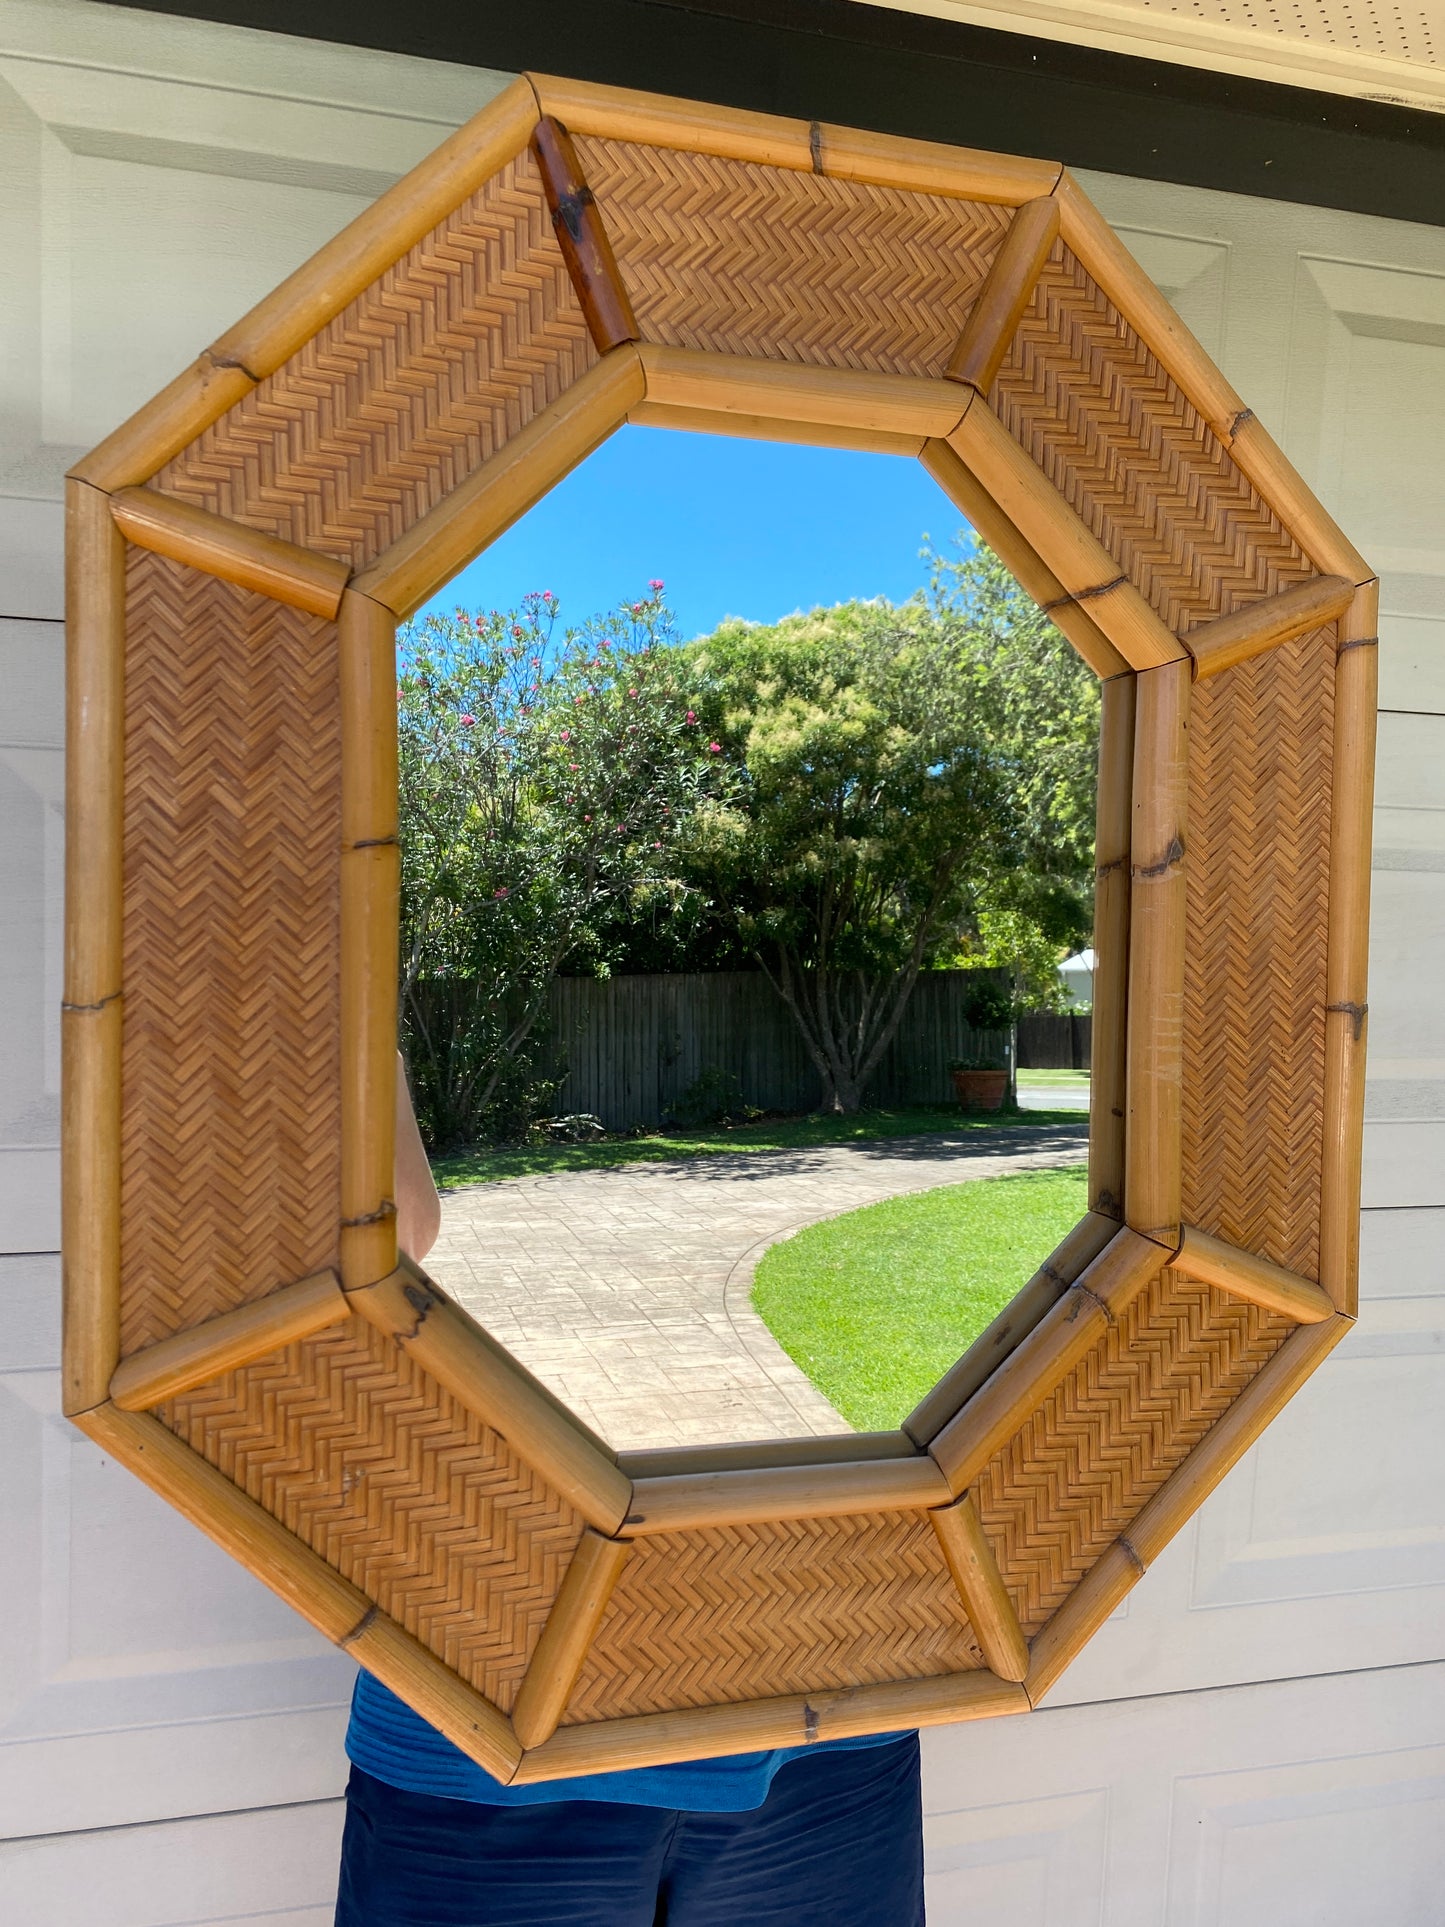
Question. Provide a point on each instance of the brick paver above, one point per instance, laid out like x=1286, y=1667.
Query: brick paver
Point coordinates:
x=627, y=1290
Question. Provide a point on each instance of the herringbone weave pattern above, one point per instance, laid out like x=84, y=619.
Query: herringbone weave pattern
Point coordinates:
x=1071, y=1479
x=1124, y=448
x=750, y=260
x=408, y=390
x=413, y=1499
x=1258, y=868
x=230, y=1069
x=746, y=1612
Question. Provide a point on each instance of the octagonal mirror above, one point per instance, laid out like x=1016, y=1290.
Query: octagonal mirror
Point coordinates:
x=240, y=1328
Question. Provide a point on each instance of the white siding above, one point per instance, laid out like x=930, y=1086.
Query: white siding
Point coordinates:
x=1253, y=1737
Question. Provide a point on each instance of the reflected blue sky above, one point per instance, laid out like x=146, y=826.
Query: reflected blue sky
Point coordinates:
x=733, y=527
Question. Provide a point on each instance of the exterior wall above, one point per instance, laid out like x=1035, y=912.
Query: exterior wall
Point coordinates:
x=1254, y=1737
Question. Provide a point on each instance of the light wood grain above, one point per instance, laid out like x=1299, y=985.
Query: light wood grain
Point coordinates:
x=487, y=1381
x=845, y=398
x=183, y=409
x=1153, y=1145
x=428, y=1685
x=582, y=236
x=767, y=428
x=91, y=1013
x=1108, y=1053
x=1260, y=458
x=1243, y=1275
x=192, y=1357
x=576, y=1613
x=1071, y=1327
x=1266, y=624
x=928, y=167
x=1346, y=968
x=980, y=1585
x=530, y=462
x=670, y=1461
x=230, y=551
x=1056, y=1645
x=1006, y=293
x=659, y=120
x=698, y=1500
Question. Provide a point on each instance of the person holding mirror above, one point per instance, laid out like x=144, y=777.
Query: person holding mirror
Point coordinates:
x=824, y=1836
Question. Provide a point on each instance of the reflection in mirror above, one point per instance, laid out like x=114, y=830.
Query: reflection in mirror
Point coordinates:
x=747, y=942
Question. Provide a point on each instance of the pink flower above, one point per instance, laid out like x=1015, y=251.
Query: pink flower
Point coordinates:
x=715, y=749
x=546, y=595
x=657, y=846
x=692, y=715
x=467, y=719
x=566, y=735
x=655, y=584
x=638, y=607
x=503, y=891
x=518, y=631
x=632, y=692
x=587, y=819
x=574, y=766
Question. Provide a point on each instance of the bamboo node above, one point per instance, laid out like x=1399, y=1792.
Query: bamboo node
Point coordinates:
x=1173, y=856
x=1127, y=1547
x=1086, y=595
x=815, y=145
x=386, y=1210
x=372, y=1613
x=1103, y=1307
x=1358, y=1012
x=1244, y=415
x=1356, y=642
x=85, y=1010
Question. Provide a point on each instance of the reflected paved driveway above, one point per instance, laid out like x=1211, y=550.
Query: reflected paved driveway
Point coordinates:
x=627, y=1290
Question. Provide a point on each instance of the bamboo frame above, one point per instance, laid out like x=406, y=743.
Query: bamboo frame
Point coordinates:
x=800, y=1719
x=672, y=1461
x=791, y=391
x=1256, y=1280
x=1014, y=1323
x=1348, y=942
x=571, y=1625
x=1071, y=1327
x=458, y=1354
x=1153, y=1147
x=370, y=889
x=1265, y=625
x=582, y=236
x=1022, y=562
x=1108, y=1083
x=234, y=1338
x=1085, y=569
x=91, y=1014
x=980, y=1586
x=697, y=1501
x=248, y=557
x=1028, y=1354
x=1005, y=295
x=532, y=461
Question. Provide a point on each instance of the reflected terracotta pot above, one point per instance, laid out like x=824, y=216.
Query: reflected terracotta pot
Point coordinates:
x=980, y=1090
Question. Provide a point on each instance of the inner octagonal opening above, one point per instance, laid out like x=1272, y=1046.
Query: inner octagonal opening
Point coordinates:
x=748, y=953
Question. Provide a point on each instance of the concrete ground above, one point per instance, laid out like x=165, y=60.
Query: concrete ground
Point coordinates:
x=628, y=1290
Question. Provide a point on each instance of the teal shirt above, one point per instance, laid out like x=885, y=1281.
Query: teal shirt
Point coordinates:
x=392, y=1743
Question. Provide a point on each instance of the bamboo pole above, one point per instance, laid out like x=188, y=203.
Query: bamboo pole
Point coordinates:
x=183, y=409
x=91, y=1013
x=1013, y=1324
x=234, y=1338
x=1007, y=290
x=1022, y=562
x=1103, y=1588
x=672, y=1461
x=455, y=1351
x=980, y=1585
x=1072, y=1327
x=1266, y=624
x=370, y=888
x=929, y=167
x=227, y=1516
x=1085, y=569
x=1274, y=477
x=1153, y=1135
x=1101, y=253
x=1346, y=1022
x=659, y=120
x=582, y=236
x=847, y=398
x=571, y=1625
x=1108, y=1080
x=530, y=462
x=1256, y=1280
x=708, y=1732
x=694, y=1501
x=230, y=551
x=428, y=1685
x=766, y=428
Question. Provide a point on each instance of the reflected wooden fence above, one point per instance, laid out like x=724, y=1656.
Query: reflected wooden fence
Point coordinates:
x=633, y=1047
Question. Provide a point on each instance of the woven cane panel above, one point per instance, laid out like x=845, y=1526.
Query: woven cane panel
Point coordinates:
x=751, y=260
x=1108, y=426
x=408, y=390
x=230, y=1068
x=1071, y=1480
x=1258, y=867
x=409, y=1496
x=747, y=1612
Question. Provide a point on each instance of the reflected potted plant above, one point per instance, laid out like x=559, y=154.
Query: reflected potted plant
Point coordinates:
x=979, y=1083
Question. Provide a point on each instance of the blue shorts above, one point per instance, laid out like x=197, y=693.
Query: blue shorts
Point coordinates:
x=837, y=1843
